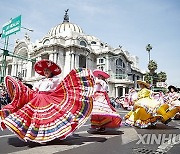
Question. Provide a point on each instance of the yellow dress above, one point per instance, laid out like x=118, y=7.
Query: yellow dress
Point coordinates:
x=170, y=108
x=145, y=109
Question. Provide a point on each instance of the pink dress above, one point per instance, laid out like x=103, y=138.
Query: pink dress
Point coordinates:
x=103, y=114
x=129, y=99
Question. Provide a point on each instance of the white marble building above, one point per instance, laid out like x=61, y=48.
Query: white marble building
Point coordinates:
x=68, y=46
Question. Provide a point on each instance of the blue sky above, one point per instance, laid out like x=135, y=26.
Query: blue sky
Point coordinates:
x=129, y=23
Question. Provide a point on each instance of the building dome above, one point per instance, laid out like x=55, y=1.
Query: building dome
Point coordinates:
x=65, y=27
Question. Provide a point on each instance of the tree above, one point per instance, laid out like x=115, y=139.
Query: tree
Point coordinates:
x=162, y=77
x=152, y=77
x=147, y=77
x=152, y=66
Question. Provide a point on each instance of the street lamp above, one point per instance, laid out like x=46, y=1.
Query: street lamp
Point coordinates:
x=148, y=49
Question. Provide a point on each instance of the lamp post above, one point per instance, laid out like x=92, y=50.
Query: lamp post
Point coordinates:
x=4, y=63
x=148, y=49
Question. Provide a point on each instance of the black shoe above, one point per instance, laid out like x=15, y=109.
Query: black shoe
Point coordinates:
x=167, y=121
x=101, y=129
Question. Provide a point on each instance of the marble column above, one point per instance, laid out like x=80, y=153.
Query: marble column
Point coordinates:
x=55, y=57
x=124, y=91
x=13, y=68
x=107, y=64
x=19, y=66
x=76, y=61
x=67, y=63
x=29, y=69
x=72, y=60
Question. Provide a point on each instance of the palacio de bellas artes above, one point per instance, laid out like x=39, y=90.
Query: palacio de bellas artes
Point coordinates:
x=67, y=45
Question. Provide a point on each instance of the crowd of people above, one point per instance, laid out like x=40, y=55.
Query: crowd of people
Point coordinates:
x=127, y=102
x=55, y=109
x=4, y=97
x=148, y=107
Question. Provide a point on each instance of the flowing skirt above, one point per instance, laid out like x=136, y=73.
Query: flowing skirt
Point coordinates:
x=147, y=112
x=45, y=116
x=104, y=114
x=144, y=113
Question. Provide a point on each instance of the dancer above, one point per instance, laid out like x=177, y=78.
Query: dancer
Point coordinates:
x=147, y=111
x=103, y=114
x=128, y=101
x=159, y=96
x=171, y=108
x=53, y=109
x=145, y=107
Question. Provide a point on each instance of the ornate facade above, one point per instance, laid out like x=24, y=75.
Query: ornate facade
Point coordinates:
x=68, y=46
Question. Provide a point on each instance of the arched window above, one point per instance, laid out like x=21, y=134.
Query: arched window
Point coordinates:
x=120, y=69
x=120, y=63
x=83, y=43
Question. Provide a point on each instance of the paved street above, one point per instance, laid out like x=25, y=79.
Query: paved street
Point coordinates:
x=85, y=141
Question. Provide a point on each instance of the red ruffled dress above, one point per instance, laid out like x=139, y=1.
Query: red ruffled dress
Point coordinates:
x=103, y=114
x=45, y=116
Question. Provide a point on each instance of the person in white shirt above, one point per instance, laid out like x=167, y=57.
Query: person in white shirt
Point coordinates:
x=47, y=84
x=54, y=109
x=103, y=114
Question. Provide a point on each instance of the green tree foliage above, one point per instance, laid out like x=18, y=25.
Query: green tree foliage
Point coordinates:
x=147, y=77
x=152, y=66
x=152, y=77
x=162, y=77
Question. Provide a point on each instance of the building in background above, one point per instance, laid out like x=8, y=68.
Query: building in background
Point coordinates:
x=68, y=46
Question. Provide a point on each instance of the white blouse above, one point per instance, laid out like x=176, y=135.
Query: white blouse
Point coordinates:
x=100, y=85
x=47, y=84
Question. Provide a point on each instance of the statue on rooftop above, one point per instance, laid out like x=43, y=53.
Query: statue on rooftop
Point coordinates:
x=66, y=16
